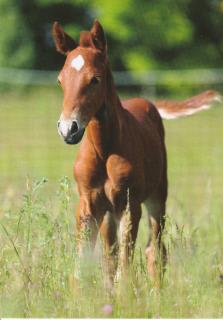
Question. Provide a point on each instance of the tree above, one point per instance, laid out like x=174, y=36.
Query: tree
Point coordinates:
x=141, y=35
x=16, y=40
x=164, y=34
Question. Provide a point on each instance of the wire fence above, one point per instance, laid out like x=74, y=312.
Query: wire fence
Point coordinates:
x=122, y=78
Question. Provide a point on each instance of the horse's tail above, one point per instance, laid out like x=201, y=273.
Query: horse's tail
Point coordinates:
x=175, y=109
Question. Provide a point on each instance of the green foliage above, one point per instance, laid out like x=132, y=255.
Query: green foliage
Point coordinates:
x=141, y=34
x=165, y=34
x=16, y=40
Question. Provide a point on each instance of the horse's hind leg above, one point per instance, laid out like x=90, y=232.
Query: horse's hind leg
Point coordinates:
x=155, y=250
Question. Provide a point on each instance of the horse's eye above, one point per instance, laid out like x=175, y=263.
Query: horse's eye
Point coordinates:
x=94, y=80
x=58, y=81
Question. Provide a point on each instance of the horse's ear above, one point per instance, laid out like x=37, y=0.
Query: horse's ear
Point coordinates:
x=63, y=42
x=98, y=36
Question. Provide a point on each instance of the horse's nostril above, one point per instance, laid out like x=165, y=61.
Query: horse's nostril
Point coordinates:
x=74, y=127
x=58, y=124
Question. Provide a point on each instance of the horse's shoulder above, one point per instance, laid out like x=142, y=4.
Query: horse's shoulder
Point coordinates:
x=87, y=166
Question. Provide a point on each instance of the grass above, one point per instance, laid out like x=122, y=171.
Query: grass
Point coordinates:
x=38, y=260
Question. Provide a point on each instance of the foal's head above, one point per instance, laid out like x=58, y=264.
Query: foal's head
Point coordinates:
x=82, y=78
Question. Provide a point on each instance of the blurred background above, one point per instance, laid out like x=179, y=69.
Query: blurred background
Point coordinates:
x=144, y=38
x=158, y=49
x=171, y=49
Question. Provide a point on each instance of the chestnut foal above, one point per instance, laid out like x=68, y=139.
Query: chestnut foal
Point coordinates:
x=122, y=158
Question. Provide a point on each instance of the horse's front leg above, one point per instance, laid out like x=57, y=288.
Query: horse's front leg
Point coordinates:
x=108, y=232
x=88, y=221
x=87, y=226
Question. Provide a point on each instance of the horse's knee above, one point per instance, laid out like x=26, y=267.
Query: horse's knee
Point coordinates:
x=87, y=227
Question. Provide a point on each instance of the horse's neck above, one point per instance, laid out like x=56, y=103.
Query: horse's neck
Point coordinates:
x=107, y=123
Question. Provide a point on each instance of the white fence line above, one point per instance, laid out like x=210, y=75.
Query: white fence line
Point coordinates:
x=124, y=78
x=27, y=77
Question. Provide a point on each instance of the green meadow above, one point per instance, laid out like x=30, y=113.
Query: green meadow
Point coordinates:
x=38, y=260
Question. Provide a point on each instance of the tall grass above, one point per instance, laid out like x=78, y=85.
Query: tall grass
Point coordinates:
x=38, y=266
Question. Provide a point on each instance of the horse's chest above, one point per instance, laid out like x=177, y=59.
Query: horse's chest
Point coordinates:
x=111, y=179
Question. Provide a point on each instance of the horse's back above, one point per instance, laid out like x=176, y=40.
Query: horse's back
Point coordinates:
x=142, y=110
x=137, y=105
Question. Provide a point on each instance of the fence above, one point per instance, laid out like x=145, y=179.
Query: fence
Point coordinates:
x=122, y=79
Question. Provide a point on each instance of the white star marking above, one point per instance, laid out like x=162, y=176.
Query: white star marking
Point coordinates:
x=78, y=63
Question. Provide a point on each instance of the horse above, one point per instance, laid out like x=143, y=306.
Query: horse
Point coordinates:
x=122, y=160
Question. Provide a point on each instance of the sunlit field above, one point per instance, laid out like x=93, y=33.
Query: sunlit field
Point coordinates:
x=38, y=260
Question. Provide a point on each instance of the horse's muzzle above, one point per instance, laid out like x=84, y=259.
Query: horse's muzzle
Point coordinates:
x=75, y=137
x=70, y=131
